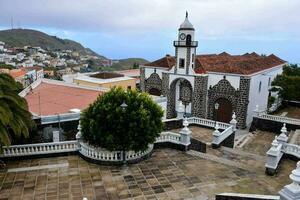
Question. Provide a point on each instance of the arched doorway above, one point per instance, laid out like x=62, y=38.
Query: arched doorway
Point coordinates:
x=154, y=91
x=224, y=111
x=180, y=90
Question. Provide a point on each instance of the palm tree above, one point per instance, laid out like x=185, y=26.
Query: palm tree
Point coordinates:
x=14, y=115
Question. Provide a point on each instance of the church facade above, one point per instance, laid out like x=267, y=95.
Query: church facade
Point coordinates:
x=210, y=86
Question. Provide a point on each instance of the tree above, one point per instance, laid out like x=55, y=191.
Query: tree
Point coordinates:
x=289, y=82
x=106, y=124
x=14, y=115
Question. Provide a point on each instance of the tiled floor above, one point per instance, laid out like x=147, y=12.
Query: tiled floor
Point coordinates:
x=168, y=174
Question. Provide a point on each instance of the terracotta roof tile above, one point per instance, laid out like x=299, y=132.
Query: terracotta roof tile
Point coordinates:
x=225, y=63
x=16, y=73
x=165, y=62
x=50, y=99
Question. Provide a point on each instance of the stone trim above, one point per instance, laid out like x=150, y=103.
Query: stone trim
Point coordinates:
x=153, y=82
x=243, y=101
x=200, y=92
x=165, y=84
x=142, y=79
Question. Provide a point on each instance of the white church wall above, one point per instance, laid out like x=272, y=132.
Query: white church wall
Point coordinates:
x=214, y=78
x=260, y=98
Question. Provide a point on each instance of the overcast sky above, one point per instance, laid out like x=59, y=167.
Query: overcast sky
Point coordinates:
x=146, y=28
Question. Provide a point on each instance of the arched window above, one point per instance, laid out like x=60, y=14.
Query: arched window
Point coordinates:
x=188, y=39
x=259, y=87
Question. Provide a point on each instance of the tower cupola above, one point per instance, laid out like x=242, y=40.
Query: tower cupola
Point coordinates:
x=186, y=25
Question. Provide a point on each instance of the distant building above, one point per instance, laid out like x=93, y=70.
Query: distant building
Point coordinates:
x=2, y=46
x=106, y=80
x=49, y=97
x=211, y=86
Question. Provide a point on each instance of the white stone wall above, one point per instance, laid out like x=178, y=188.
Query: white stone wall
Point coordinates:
x=214, y=78
x=150, y=70
x=260, y=98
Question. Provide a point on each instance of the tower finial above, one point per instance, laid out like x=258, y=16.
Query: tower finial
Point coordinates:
x=186, y=14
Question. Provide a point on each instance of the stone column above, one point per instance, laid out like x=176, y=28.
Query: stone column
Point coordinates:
x=185, y=134
x=292, y=191
x=142, y=79
x=199, y=102
x=243, y=101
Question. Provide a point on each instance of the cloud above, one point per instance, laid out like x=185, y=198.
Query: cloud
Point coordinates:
x=213, y=18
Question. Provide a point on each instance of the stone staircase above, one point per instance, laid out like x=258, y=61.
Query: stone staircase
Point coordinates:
x=233, y=157
x=294, y=137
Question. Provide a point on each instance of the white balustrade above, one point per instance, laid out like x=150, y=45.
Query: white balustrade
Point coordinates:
x=101, y=154
x=40, y=148
x=227, y=128
x=169, y=137
x=280, y=119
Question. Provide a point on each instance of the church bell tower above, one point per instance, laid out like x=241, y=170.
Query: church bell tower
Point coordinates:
x=185, y=48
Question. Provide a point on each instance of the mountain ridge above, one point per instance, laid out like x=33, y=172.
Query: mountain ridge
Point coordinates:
x=30, y=37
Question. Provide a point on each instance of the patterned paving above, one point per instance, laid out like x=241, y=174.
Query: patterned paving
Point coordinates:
x=168, y=174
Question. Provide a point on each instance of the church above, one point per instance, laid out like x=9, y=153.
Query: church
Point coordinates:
x=211, y=86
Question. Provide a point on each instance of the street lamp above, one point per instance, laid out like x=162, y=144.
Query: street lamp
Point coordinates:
x=124, y=106
x=216, y=112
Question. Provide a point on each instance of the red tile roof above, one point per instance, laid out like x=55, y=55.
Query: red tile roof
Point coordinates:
x=17, y=73
x=225, y=63
x=165, y=62
x=50, y=99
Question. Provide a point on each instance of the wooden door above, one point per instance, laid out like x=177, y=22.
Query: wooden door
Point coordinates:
x=224, y=112
x=154, y=91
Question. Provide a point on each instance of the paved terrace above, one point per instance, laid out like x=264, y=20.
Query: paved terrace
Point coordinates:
x=168, y=174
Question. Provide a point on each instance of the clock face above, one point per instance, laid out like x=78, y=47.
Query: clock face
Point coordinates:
x=182, y=36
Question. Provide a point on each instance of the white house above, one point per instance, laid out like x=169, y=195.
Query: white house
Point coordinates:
x=211, y=86
x=2, y=46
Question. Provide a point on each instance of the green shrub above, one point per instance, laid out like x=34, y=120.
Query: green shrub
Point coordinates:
x=106, y=124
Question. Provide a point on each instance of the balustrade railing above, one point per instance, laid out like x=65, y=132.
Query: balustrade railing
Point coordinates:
x=40, y=148
x=168, y=137
x=282, y=119
x=291, y=149
x=227, y=128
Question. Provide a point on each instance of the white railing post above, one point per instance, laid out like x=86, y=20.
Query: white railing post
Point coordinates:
x=185, y=133
x=292, y=191
x=274, y=155
x=283, y=138
x=233, y=121
x=180, y=111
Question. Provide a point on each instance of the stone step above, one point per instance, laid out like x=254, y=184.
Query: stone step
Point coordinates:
x=240, y=152
x=295, y=137
x=284, y=114
x=222, y=161
x=244, y=140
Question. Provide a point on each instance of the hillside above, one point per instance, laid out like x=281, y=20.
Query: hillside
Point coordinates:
x=23, y=37
x=128, y=63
